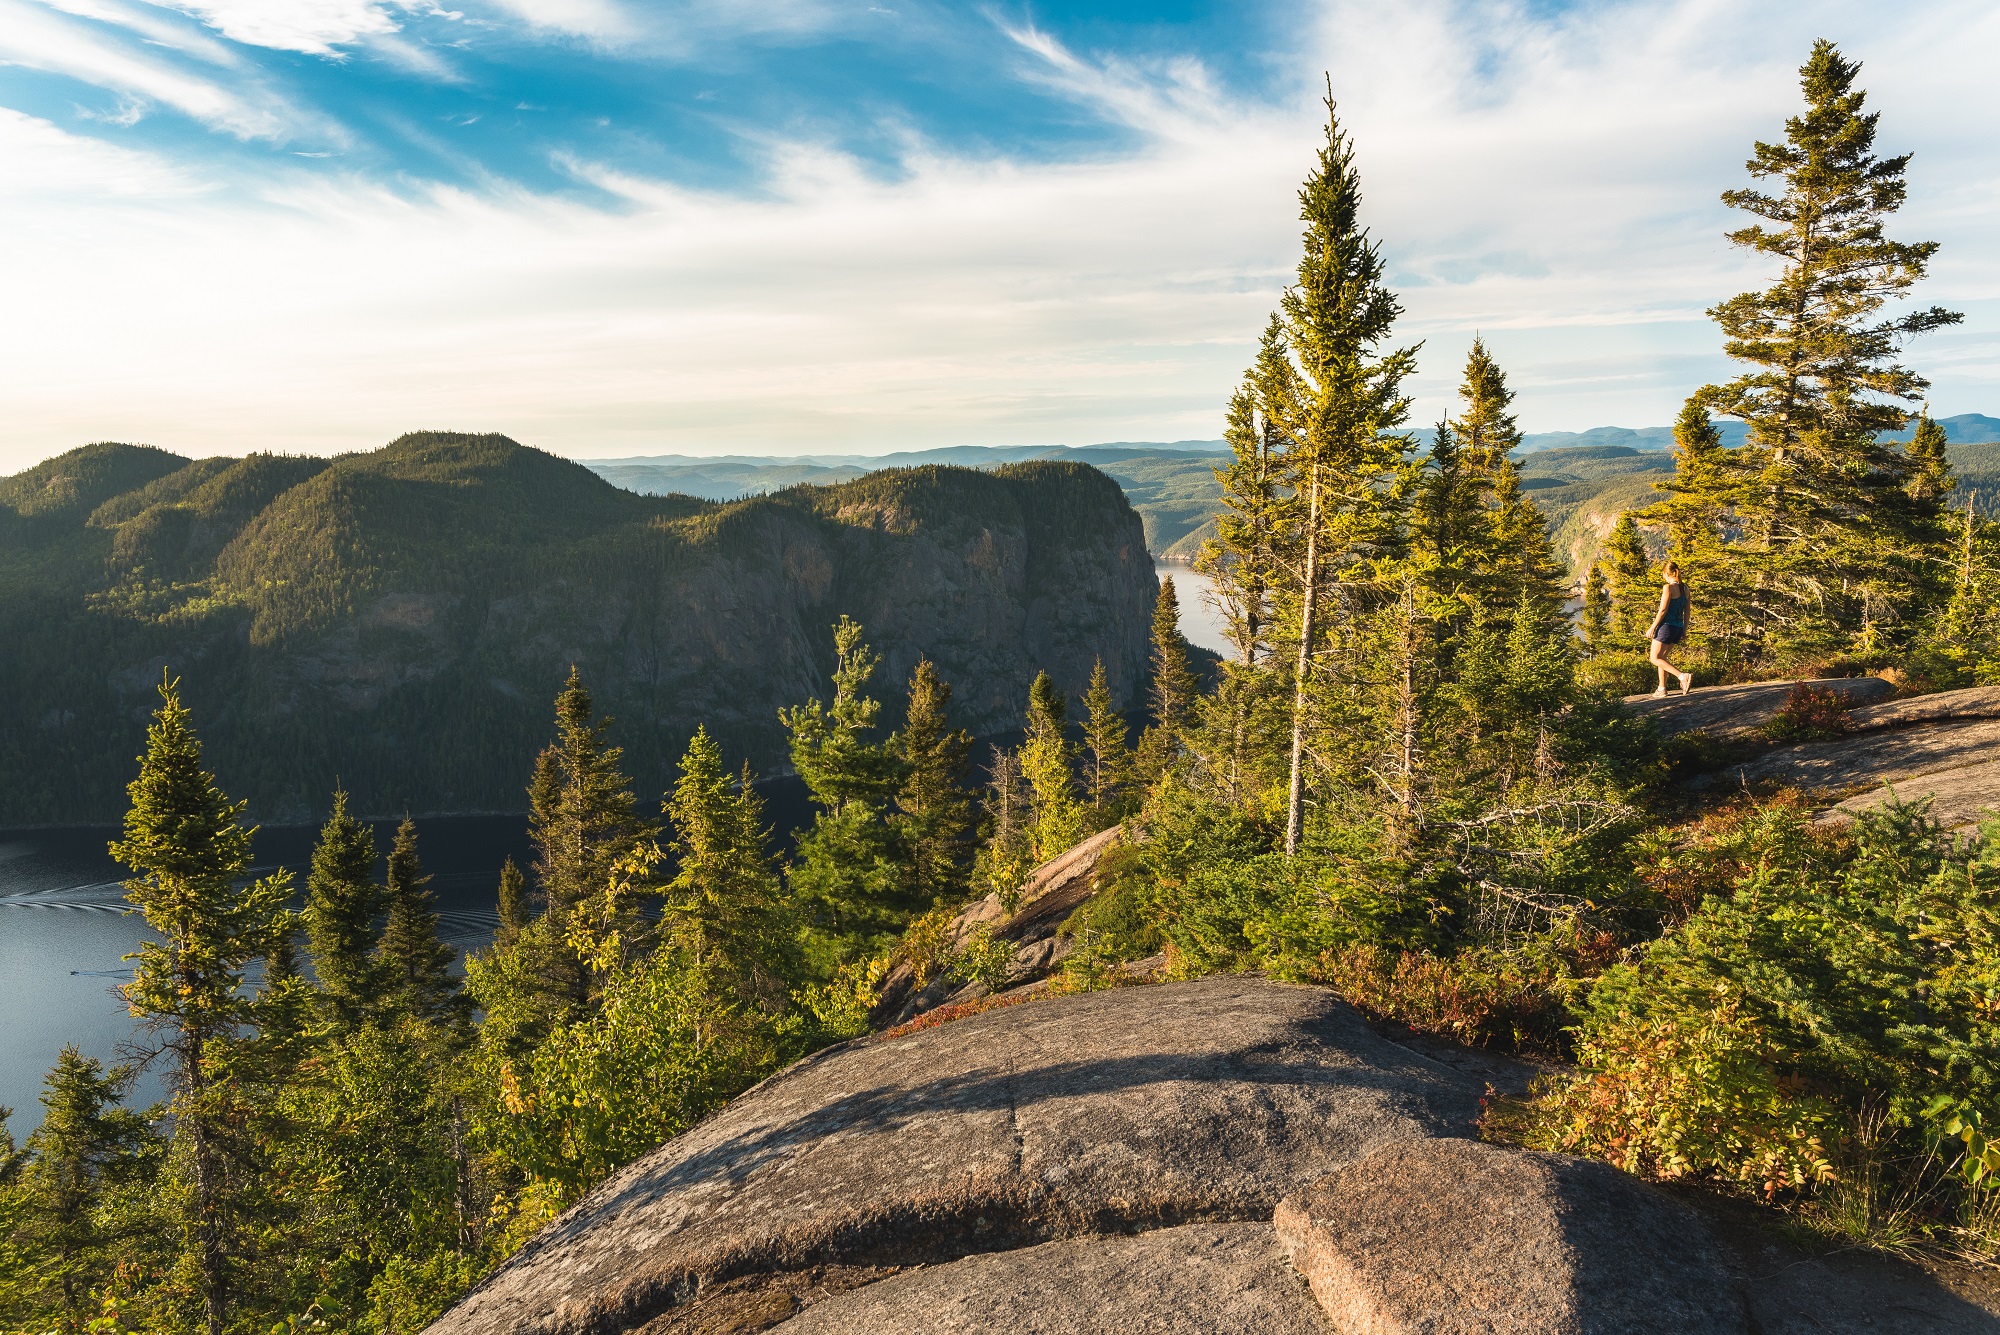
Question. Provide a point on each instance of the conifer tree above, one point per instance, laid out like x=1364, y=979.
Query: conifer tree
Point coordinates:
x=414, y=965
x=1823, y=522
x=1338, y=403
x=66, y=1233
x=1596, y=609
x=515, y=911
x=724, y=906
x=342, y=903
x=851, y=870
x=188, y=849
x=934, y=808
x=1635, y=593
x=1008, y=855
x=1048, y=763
x=1107, y=758
x=582, y=819
x=1242, y=559
x=1170, y=690
x=1930, y=469
x=1518, y=557
x=1449, y=527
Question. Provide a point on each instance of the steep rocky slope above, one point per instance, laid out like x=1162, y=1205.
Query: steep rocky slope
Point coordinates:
x=401, y=619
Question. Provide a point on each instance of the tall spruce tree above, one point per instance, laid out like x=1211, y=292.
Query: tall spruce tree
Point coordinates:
x=1242, y=559
x=1823, y=531
x=1930, y=479
x=1629, y=580
x=414, y=965
x=1170, y=690
x=512, y=900
x=1107, y=757
x=851, y=873
x=342, y=903
x=1515, y=556
x=1337, y=401
x=67, y=1232
x=189, y=851
x=724, y=906
x=1048, y=763
x=934, y=807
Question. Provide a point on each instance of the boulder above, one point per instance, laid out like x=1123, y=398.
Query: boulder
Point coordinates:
x=1139, y=1108
x=1941, y=707
x=1959, y=798
x=1198, y=1279
x=1871, y=759
x=1730, y=712
x=1050, y=894
x=1454, y=1237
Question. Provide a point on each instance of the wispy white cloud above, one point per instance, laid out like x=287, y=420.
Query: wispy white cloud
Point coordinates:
x=314, y=27
x=1551, y=182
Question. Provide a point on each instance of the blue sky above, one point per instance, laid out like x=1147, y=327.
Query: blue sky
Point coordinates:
x=608, y=227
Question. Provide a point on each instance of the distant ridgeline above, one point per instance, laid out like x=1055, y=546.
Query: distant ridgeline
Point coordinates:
x=1582, y=480
x=403, y=618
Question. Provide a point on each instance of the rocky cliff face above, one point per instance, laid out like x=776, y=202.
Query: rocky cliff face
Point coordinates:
x=402, y=619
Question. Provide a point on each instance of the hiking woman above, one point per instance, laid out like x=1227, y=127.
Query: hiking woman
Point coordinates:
x=1669, y=628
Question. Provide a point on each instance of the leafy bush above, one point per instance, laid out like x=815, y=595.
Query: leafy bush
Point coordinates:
x=1617, y=673
x=1810, y=714
x=1824, y=1023
x=1515, y=999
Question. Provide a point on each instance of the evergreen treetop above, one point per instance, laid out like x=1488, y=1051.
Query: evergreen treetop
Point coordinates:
x=342, y=903
x=415, y=965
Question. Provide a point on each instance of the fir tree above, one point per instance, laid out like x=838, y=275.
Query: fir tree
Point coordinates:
x=1048, y=763
x=342, y=903
x=1930, y=468
x=1008, y=854
x=1635, y=593
x=1516, y=556
x=724, y=907
x=934, y=808
x=67, y=1230
x=1242, y=559
x=582, y=819
x=1108, y=759
x=1596, y=610
x=1172, y=688
x=1822, y=520
x=515, y=911
x=851, y=869
x=1449, y=526
x=185, y=842
x=414, y=966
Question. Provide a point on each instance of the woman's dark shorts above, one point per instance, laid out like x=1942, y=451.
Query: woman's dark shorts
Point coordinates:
x=1670, y=634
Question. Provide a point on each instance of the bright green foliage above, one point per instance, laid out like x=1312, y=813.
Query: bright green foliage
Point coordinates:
x=1820, y=526
x=342, y=902
x=1803, y=1019
x=185, y=842
x=666, y=1046
x=374, y=1162
x=1170, y=694
x=851, y=876
x=934, y=807
x=1008, y=855
x=1693, y=513
x=512, y=902
x=413, y=966
x=725, y=906
x=1107, y=759
x=1048, y=763
x=77, y=1200
x=1596, y=609
x=1515, y=557
x=1930, y=478
x=1631, y=581
x=1242, y=557
x=1450, y=532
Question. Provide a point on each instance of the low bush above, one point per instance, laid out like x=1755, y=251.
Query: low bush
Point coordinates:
x=1810, y=714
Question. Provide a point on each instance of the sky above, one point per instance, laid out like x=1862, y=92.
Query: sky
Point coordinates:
x=611, y=228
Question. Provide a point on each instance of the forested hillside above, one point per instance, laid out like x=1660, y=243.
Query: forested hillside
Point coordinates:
x=400, y=618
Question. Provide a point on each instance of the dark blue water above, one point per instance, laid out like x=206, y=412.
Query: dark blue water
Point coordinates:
x=64, y=927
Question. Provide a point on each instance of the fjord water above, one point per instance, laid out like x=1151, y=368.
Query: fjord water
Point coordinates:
x=1201, y=621
x=64, y=928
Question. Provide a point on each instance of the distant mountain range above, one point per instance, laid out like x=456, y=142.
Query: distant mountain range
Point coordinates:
x=400, y=620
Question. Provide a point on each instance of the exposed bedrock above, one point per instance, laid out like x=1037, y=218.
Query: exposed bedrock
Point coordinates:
x=1107, y=1113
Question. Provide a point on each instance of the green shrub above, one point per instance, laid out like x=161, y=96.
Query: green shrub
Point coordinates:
x=1810, y=714
x=1617, y=673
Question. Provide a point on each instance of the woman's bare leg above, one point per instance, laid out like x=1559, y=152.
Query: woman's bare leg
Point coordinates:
x=1657, y=658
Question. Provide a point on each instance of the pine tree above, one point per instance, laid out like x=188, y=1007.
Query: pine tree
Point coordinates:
x=1048, y=763
x=414, y=966
x=1824, y=524
x=1635, y=593
x=1449, y=527
x=934, y=808
x=86, y=1153
x=851, y=872
x=185, y=842
x=1108, y=759
x=1242, y=559
x=515, y=911
x=1170, y=691
x=724, y=906
x=1516, y=557
x=342, y=903
x=1008, y=855
x=1338, y=403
